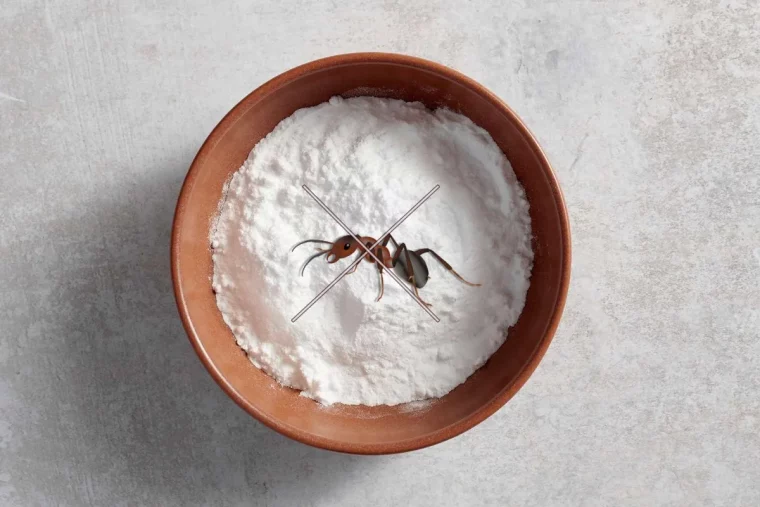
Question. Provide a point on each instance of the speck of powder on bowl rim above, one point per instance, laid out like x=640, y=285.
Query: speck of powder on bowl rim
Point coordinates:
x=370, y=160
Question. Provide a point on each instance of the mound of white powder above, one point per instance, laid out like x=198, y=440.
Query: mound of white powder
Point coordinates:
x=370, y=160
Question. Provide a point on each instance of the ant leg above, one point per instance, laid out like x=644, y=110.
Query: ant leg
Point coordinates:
x=310, y=241
x=390, y=238
x=397, y=253
x=409, y=269
x=321, y=252
x=446, y=265
x=382, y=283
x=356, y=266
x=416, y=291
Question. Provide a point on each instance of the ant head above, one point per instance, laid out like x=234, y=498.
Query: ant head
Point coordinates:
x=342, y=248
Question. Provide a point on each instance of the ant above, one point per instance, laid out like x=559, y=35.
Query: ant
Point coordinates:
x=412, y=267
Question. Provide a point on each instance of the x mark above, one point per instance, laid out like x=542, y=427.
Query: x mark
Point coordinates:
x=369, y=251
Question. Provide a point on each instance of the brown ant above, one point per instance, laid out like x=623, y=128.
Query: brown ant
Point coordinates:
x=412, y=267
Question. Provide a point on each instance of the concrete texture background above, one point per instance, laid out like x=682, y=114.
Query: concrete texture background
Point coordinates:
x=650, y=112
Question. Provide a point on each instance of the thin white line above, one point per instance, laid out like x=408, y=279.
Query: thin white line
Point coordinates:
x=369, y=250
x=8, y=97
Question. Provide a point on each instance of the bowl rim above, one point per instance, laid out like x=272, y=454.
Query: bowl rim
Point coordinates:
x=441, y=434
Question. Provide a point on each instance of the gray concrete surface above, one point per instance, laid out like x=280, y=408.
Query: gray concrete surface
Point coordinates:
x=650, y=393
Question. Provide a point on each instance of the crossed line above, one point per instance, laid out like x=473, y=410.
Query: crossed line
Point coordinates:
x=369, y=251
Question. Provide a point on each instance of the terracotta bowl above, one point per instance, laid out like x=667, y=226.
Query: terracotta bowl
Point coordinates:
x=360, y=429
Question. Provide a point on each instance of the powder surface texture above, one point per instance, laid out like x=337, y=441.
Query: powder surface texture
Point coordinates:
x=370, y=160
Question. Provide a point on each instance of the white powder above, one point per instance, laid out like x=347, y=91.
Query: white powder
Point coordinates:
x=371, y=160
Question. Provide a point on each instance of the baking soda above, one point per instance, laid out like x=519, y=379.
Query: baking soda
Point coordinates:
x=370, y=160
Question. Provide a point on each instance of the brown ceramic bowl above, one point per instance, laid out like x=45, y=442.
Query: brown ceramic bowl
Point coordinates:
x=360, y=429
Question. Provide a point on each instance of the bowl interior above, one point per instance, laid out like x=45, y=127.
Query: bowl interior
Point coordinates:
x=357, y=428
